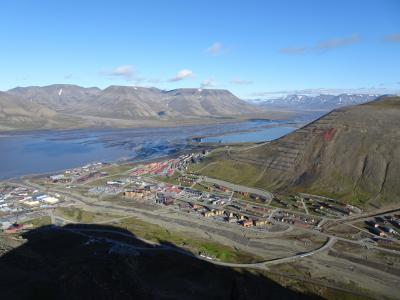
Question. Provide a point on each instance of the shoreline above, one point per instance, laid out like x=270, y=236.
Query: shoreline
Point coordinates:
x=114, y=162
x=146, y=123
x=192, y=144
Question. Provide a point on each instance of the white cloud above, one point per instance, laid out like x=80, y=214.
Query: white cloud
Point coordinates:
x=123, y=71
x=207, y=83
x=239, y=81
x=182, y=74
x=126, y=72
x=216, y=49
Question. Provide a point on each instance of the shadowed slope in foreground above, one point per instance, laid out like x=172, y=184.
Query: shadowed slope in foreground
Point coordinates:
x=73, y=262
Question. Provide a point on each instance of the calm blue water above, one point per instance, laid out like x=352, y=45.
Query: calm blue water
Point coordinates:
x=264, y=134
x=50, y=151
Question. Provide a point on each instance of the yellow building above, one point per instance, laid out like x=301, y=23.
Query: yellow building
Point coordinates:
x=213, y=213
x=139, y=193
x=218, y=212
x=208, y=214
x=260, y=222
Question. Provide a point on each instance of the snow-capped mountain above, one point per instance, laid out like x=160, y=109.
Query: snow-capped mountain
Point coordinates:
x=319, y=102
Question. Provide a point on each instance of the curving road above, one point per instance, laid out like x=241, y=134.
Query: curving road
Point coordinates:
x=158, y=247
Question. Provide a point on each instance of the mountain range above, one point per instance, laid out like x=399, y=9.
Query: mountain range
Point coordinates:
x=323, y=102
x=61, y=106
x=352, y=153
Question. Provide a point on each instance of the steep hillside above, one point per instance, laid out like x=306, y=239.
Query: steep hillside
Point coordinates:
x=16, y=113
x=122, y=105
x=352, y=153
x=206, y=102
x=123, y=102
x=128, y=102
x=59, y=97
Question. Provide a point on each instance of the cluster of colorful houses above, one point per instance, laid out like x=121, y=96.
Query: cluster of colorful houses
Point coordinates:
x=168, y=167
x=190, y=200
x=224, y=215
x=155, y=168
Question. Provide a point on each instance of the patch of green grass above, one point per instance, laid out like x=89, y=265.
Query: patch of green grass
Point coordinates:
x=387, y=102
x=233, y=171
x=159, y=234
x=78, y=215
x=201, y=187
x=117, y=169
x=172, y=179
x=38, y=222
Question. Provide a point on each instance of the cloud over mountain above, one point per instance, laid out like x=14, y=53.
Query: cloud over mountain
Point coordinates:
x=125, y=71
x=208, y=83
x=182, y=74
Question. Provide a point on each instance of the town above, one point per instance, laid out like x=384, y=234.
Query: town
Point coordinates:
x=218, y=221
x=169, y=183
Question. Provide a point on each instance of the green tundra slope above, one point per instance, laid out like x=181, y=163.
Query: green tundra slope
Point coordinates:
x=352, y=153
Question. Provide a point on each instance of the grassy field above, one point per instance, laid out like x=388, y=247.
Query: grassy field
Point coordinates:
x=201, y=187
x=117, y=169
x=172, y=179
x=42, y=221
x=159, y=234
x=78, y=215
x=232, y=171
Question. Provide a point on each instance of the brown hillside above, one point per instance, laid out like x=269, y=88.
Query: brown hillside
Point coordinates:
x=352, y=153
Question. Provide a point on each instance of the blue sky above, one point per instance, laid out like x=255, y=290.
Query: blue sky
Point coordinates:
x=253, y=48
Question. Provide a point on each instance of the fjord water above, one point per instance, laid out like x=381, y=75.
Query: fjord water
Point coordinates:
x=36, y=152
x=259, y=135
